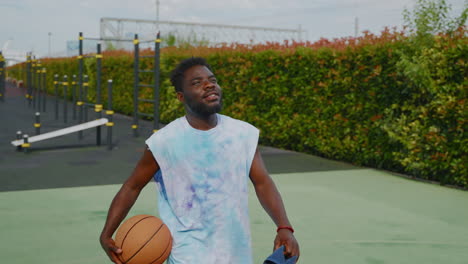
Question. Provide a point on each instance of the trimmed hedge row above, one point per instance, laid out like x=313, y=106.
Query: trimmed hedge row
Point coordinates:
x=351, y=100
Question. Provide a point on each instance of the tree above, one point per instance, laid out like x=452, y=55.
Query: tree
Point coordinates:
x=434, y=93
x=110, y=46
x=430, y=17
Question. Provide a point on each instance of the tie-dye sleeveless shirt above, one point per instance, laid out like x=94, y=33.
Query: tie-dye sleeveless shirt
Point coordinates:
x=203, y=189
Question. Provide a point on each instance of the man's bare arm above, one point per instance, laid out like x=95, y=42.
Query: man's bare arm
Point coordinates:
x=124, y=200
x=271, y=200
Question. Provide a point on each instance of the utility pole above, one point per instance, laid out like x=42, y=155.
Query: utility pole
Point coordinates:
x=299, y=35
x=356, y=26
x=157, y=15
x=50, y=34
x=356, y=19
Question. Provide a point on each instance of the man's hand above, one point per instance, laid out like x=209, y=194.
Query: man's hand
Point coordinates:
x=111, y=249
x=285, y=237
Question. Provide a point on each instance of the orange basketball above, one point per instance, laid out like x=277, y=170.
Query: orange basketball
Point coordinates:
x=144, y=239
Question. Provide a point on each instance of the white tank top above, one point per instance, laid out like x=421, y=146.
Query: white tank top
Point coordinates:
x=203, y=189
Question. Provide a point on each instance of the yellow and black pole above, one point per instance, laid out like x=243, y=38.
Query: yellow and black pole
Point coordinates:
x=73, y=92
x=98, y=105
x=80, y=81
x=33, y=82
x=38, y=86
x=2, y=77
x=135, y=84
x=44, y=89
x=80, y=64
x=65, y=105
x=80, y=105
x=85, y=97
x=56, y=84
x=28, y=78
x=109, y=114
x=156, y=82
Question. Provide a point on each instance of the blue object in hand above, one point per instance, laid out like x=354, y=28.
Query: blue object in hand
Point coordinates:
x=278, y=258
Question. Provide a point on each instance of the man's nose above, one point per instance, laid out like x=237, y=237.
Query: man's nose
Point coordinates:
x=207, y=84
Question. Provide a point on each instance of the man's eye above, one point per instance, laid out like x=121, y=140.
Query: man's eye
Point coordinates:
x=214, y=80
x=196, y=83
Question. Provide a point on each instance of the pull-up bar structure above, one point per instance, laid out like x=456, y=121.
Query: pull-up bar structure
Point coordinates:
x=83, y=84
x=137, y=85
x=83, y=87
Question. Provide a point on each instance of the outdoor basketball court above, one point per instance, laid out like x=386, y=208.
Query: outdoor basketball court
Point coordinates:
x=54, y=202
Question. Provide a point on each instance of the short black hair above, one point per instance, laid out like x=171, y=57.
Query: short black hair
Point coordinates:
x=177, y=75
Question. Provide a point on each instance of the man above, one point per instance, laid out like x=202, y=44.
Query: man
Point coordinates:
x=201, y=163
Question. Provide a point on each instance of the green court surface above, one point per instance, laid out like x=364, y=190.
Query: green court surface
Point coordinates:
x=340, y=216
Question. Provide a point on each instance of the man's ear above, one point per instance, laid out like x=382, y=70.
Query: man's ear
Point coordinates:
x=180, y=97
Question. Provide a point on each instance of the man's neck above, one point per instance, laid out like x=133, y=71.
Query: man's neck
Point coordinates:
x=202, y=122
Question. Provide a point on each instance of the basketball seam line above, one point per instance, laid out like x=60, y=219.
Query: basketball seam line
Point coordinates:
x=126, y=234
x=123, y=240
x=164, y=252
x=144, y=244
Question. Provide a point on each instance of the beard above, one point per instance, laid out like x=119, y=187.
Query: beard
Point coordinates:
x=202, y=109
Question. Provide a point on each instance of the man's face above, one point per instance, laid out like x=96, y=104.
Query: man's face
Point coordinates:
x=201, y=92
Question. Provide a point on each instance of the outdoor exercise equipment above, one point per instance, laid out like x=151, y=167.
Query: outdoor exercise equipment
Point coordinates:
x=2, y=77
x=137, y=85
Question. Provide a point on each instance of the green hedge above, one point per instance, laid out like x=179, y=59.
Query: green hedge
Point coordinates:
x=374, y=101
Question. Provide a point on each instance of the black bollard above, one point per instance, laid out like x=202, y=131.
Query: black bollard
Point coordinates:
x=37, y=125
x=19, y=135
x=25, y=144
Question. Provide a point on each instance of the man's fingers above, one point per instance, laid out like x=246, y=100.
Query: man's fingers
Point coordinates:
x=115, y=249
x=295, y=252
x=276, y=245
x=111, y=249
x=287, y=250
x=114, y=253
x=294, y=248
x=115, y=258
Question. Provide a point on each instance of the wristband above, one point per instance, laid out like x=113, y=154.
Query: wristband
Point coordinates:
x=285, y=227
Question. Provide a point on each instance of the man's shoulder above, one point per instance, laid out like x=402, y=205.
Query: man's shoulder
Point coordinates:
x=168, y=130
x=174, y=124
x=237, y=123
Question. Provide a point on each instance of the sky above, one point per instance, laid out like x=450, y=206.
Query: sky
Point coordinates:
x=44, y=26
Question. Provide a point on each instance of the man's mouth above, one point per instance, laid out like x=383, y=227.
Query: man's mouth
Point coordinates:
x=211, y=96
